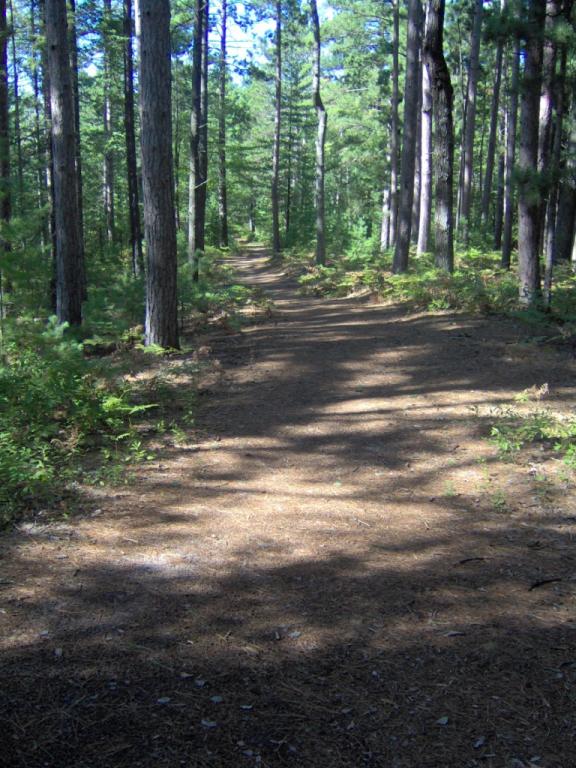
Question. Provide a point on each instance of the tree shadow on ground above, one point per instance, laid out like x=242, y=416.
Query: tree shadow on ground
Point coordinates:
x=293, y=590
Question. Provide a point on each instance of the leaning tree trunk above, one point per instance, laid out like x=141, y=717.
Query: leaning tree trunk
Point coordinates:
x=425, y=163
x=65, y=180
x=275, y=191
x=161, y=326
x=222, y=188
x=528, y=186
x=137, y=259
x=470, y=128
x=320, y=139
x=443, y=154
x=195, y=127
x=401, y=252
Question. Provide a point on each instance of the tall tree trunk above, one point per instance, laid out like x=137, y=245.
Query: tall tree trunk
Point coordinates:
x=275, y=192
x=401, y=252
x=470, y=128
x=195, y=128
x=5, y=197
x=528, y=187
x=394, y=124
x=320, y=139
x=425, y=163
x=65, y=179
x=418, y=149
x=137, y=258
x=161, y=325
x=511, y=124
x=443, y=155
x=16, y=91
x=39, y=132
x=108, y=167
x=222, y=189
x=566, y=215
x=492, y=136
x=73, y=43
x=49, y=157
x=499, y=208
x=202, y=186
x=552, y=203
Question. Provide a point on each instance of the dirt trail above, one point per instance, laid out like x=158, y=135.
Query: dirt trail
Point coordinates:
x=339, y=573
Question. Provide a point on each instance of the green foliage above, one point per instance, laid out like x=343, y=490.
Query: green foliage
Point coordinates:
x=477, y=284
x=54, y=407
x=513, y=429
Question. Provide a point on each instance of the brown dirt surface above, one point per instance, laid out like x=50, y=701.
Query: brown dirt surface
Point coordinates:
x=336, y=569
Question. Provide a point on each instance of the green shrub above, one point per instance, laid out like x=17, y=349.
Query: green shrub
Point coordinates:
x=54, y=406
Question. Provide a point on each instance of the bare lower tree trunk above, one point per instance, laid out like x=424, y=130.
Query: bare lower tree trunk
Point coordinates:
x=161, y=326
x=417, y=150
x=394, y=128
x=222, y=188
x=195, y=127
x=73, y=44
x=320, y=139
x=492, y=136
x=137, y=258
x=400, y=262
x=275, y=192
x=16, y=92
x=511, y=123
x=65, y=180
x=425, y=164
x=470, y=128
x=499, y=209
x=442, y=98
x=528, y=187
x=5, y=197
x=202, y=186
x=108, y=166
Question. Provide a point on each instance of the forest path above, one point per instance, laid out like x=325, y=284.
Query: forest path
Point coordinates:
x=339, y=573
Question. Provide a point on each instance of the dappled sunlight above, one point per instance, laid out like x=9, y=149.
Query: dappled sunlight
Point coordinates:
x=335, y=558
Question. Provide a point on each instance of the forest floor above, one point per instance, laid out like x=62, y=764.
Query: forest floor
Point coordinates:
x=335, y=570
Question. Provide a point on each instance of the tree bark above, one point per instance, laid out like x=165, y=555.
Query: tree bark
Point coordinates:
x=321, y=117
x=222, y=188
x=425, y=163
x=195, y=128
x=137, y=259
x=161, y=325
x=108, y=166
x=65, y=179
x=394, y=125
x=492, y=136
x=275, y=192
x=16, y=92
x=202, y=187
x=5, y=197
x=511, y=124
x=73, y=43
x=528, y=187
x=443, y=155
x=401, y=252
x=470, y=127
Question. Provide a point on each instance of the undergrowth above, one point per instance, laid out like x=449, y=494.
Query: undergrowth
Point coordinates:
x=56, y=406
x=478, y=284
x=516, y=427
